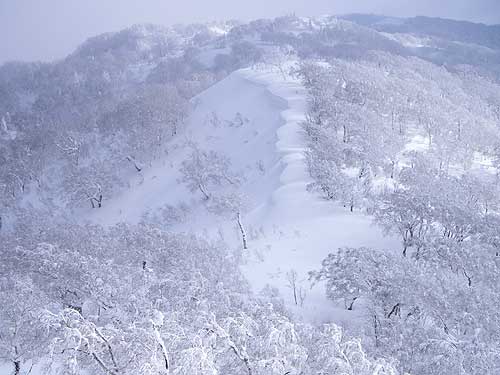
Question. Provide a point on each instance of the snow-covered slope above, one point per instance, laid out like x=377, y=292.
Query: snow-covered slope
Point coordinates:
x=253, y=117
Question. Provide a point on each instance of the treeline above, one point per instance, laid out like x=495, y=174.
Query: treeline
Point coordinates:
x=136, y=300
x=416, y=146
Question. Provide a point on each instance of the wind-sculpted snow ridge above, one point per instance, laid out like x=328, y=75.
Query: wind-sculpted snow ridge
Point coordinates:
x=297, y=228
x=253, y=118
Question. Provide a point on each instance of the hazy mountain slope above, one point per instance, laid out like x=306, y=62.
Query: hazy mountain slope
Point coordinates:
x=439, y=40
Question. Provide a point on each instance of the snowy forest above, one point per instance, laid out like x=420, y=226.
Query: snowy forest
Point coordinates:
x=288, y=196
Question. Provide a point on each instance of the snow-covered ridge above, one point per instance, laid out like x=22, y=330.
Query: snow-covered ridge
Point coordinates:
x=300, y=228
x=290, y=230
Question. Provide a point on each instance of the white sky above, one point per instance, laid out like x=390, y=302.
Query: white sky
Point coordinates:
x=50, y=29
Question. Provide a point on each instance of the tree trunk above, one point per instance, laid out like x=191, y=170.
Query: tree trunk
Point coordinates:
x=202, y=189
x=94, y=201
x=395, y=310
x=392, y=120
x=351, y=305
x=134, y=163
x=242, y=230
x=375, y=327
x=163, y=349
x=17, y=367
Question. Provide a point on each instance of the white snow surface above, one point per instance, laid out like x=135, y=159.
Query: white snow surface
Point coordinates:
x=409, y=40
x=288, y=228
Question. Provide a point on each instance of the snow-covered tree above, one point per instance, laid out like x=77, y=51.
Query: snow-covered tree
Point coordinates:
x=205, y=170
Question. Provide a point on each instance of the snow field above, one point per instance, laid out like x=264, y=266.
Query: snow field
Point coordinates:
x=254, y=118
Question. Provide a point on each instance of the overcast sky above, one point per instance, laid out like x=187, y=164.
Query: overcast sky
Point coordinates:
x=50, y=29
